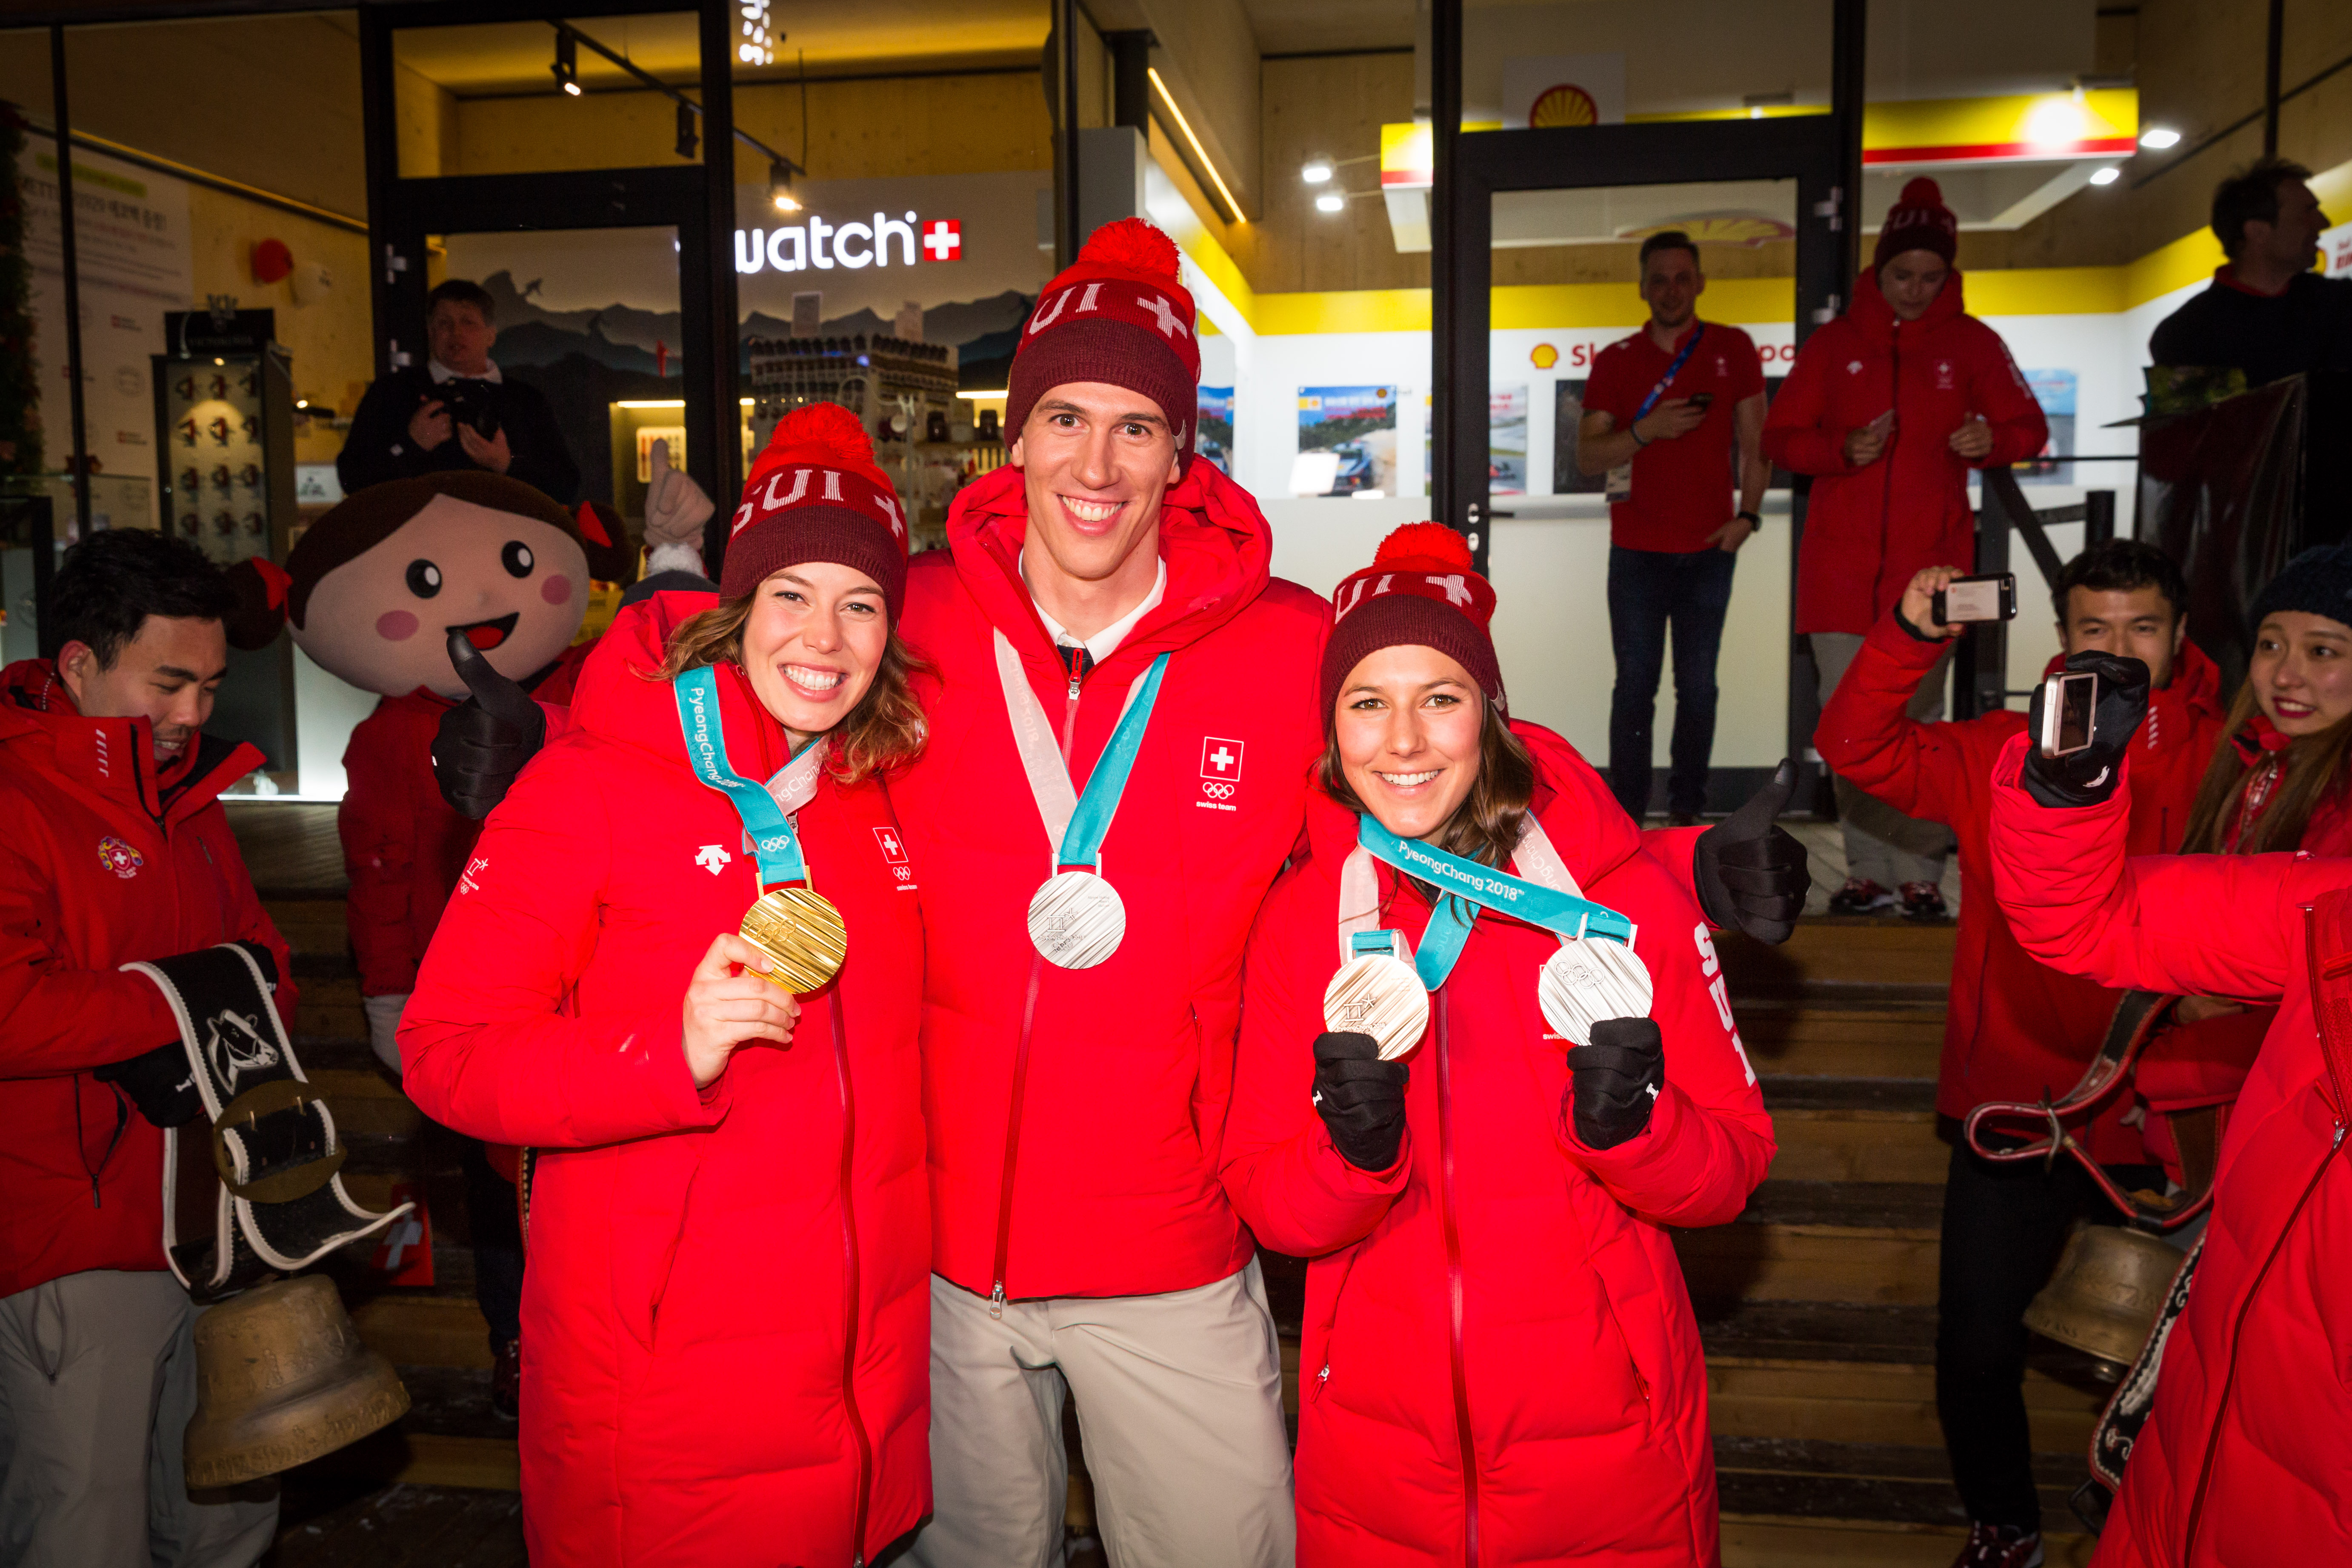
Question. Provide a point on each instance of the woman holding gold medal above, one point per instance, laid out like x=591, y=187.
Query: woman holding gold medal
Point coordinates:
x=684, y=968
x=1482, y=1068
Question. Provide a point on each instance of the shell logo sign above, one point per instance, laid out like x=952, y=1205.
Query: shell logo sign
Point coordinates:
x=1564, y=104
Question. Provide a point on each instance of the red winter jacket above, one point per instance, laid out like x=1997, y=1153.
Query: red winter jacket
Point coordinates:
x=1504, y=1304
x=2015, y=1026
x=1075, y=1114
x=404, y=847
x=104, y=862
x=726, y=1320
x=2245, y=1459
x=1869, y=531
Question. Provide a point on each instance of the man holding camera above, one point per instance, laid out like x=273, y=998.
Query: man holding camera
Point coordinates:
x=2017, y=1028
x=459, y=412
x=1662, y=414
x=118, y=850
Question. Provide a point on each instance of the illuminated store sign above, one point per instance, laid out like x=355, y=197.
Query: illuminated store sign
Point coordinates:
x=824, y=245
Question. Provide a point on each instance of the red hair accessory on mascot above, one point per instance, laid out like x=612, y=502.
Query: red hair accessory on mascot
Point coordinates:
x=1420, y=589
x=814, y=494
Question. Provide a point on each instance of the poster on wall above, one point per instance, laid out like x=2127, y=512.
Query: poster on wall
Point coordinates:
x=2054, y=391
x=1507, y=441
x=131, y=237
x=1567, y=409
x=1347, y=441
x=1216, y=440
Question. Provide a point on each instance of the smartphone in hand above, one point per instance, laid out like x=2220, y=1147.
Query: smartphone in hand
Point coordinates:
x=2069, y=703
x=1966, y=601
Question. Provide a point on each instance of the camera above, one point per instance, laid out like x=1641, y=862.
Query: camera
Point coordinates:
x=2069, y=703
x=468, y=402
x=1969, y=600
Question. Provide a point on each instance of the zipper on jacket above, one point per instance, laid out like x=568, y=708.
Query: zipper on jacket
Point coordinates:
x=1453, y=1281
x=849, y=1262
x=1012, y=1139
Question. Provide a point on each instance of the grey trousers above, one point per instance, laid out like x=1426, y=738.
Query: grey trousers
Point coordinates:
x=1880, y=843
x=1180, y=1397
x=98, y=1382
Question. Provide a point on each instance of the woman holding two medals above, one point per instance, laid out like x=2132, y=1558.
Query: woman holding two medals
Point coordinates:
x=684, y=968
x=1482, y=1068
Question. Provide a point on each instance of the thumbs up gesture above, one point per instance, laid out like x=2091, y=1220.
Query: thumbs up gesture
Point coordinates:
x=1751, y=871
x=675, y=507
x=484, y=741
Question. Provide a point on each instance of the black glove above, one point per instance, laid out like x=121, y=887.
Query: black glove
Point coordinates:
x=1751, y=872
x=1615, y=1080
x=1360, y=1098
x=484, y=741
x=2090, y=776
x=160, y=1082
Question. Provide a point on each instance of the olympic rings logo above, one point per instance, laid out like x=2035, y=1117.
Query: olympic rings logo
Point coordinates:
x=1216, y=791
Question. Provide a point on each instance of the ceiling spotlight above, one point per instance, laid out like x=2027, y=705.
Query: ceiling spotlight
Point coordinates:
x=1331, y=202
x=2156, y=138
x=1317, y=171
x=2106, y=175
x=567, y=62
x=685, y=136
x=779, y=187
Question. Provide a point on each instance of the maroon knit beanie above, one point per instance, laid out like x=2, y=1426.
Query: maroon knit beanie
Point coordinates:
x=814, y=494
x=1918, y=221
x=1121, y=315
x=1420, y=589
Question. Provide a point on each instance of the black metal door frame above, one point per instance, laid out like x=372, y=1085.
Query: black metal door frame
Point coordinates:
x=1822, y=152
x=697, y=199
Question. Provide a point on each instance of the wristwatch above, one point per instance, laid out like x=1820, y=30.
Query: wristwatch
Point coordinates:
x=1754, y=523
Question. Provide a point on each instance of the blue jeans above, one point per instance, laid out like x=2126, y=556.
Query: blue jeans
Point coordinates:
x=1648, y=589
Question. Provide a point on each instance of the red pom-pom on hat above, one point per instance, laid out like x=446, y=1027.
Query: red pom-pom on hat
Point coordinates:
x=825, y=434
x=1921, y=192
x=1131, y=244
x=1430, y=545
x=1917, y=221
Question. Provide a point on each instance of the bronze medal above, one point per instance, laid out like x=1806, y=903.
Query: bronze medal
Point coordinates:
x=1379, y=995
x=802, y=932
x=1589, y=980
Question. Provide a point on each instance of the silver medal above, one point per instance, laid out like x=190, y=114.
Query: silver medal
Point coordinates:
x=1376, y=994
x=1075, y=920
x=1587, y=980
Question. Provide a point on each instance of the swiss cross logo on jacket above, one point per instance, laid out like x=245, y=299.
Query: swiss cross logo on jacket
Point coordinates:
x=119, y=857
x=894, y=855
x=1221, y=772
x=1944, y=382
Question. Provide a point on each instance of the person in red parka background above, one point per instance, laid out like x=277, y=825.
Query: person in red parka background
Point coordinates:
x=2016, y=1027
x=1888, y=407
x=2243, y=1458
x=1500, y=1363
x=117, y=850
x=726, y=1315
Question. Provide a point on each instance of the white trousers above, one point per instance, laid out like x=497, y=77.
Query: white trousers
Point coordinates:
x=1180, y=1406
x=98, y=1382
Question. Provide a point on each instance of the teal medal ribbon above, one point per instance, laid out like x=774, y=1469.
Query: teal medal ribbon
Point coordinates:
x=1472, y=886
x=1090, y=822
x=774, y=841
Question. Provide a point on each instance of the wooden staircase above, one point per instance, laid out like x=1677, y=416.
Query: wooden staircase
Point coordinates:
x=1817, y=1307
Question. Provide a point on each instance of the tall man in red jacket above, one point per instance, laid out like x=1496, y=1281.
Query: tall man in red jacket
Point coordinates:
x=1888, y=407
x=2022, y=1028
x=117, y=850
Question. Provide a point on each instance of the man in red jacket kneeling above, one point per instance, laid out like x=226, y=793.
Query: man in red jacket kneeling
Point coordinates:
x=116, y=851
x=2025, y=1028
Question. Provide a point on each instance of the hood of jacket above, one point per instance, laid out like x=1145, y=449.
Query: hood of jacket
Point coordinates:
x=41, y=728
x=1218, y=546
x=1875, y=319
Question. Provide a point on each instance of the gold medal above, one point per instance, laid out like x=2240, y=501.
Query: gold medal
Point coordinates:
x=802, y=932
x=1378, y=995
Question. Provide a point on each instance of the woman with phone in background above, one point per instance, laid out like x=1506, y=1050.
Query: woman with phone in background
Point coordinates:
x=1888, y=407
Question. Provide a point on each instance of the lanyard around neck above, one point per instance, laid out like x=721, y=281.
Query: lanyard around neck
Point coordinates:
x=1470, y=886
x=774, y=841
x=1077, y=823
x=1698, y=331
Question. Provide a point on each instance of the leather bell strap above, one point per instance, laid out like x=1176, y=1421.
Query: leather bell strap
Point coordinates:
x=1076, y=823
x=1546, y=894
x=766, y=811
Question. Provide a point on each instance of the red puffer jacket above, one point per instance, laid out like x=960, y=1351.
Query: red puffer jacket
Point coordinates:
x=104, y=862
x=1075, y=1114
x=403, y=847
x=2016, y=1026
x=726, y=1320
x=1869, y=531
x=2244, y=1458
x=1500, y=1363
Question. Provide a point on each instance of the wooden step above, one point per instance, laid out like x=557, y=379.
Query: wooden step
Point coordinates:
x=1856, y=1132
x=1766, y=1540
x=1834, y=951
x=1855, y=1481
x=1808, y=1037
x=425, y=1328
x=1820, y=1241
x=1874, y=1402
x=331, y=1521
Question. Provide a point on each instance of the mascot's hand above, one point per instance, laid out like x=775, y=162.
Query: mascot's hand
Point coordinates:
x=676, y=508
x=485, y=741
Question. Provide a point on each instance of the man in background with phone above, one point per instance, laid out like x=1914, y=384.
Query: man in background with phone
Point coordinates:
x=457, y=412
x=1662, y=413
x=2016, y=1027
